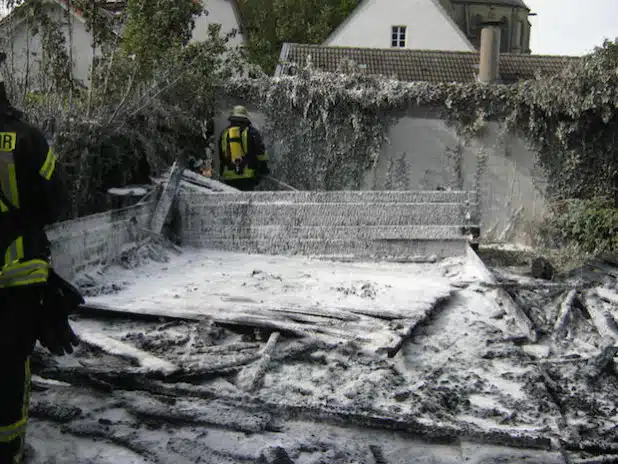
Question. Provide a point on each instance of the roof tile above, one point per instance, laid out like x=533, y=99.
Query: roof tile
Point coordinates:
x=422, y=65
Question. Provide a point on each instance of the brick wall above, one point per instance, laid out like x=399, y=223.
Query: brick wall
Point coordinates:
x=360, y=224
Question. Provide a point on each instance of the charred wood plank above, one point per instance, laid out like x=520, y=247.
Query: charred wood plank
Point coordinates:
x=564, y=316
x=600, y=313
x=508, y=303
x=378, y=454
x=251, y=378
x=102, y=311
x=412, y=324
x=124, y=350
x=159, y=217
x=302, y=330
x=211, y=413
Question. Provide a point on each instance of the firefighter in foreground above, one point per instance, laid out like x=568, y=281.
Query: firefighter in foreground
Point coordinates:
x=242, y=155
x=34, y=301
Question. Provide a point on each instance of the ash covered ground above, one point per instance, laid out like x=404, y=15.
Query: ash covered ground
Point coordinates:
x=264, y=359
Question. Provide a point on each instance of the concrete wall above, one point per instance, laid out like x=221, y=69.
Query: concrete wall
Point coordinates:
x=96, y=239
x=429, y=27
x=422, y=154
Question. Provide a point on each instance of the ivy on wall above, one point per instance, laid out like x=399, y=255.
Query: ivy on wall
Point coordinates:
x=330, y=127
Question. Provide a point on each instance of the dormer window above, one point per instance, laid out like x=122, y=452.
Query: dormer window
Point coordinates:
x=398, y=36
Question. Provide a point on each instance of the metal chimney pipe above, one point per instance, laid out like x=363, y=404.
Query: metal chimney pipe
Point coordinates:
x=489, y=52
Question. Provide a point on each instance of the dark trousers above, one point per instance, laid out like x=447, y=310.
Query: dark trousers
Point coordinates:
x=18, y=310
x=14, y=403
x=246, y=185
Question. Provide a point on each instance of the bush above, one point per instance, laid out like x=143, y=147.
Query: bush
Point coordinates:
x=587, y=226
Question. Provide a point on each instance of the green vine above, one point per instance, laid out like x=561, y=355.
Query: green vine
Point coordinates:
x=326, y=120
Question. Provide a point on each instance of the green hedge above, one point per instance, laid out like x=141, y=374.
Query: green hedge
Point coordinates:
x=589, y=225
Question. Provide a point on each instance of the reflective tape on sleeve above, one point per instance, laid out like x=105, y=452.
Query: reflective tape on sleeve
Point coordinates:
x=8, y=433
x=35, y=271
x=47, y=170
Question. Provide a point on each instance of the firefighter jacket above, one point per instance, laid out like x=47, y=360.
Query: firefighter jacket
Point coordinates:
x=241, y=152
x=34, y=188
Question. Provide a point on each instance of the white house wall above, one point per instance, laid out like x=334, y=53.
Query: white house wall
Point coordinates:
x=25, y=50
x=78, y=37
x=428, y=27
x=218, y=12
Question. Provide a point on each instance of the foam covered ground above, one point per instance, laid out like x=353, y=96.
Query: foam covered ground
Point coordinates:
x=459, y=385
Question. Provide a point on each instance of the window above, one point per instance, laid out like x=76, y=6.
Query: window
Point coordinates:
x=522, y=37
x=504, y=36
x=398, y=36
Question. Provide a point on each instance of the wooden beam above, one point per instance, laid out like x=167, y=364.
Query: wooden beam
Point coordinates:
x=251, y=378
x=203, y=181
x=564, y=316
x=164, y=205
x=510, y=306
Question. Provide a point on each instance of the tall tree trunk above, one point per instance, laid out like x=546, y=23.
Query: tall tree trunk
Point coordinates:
x=93, y=33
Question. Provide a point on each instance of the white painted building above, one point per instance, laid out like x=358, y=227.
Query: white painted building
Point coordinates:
x=224, y=12
x=25, y=52
x=401, y=24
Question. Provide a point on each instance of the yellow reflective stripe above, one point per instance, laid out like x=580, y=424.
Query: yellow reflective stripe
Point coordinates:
x=17, y=430
x=15, y=252
x=230, y=174
x=34, y=271
x=8, y=182
x=47, y=170
x=263, y=157
x=8, y=141
x=245, y=143
x=9, y=433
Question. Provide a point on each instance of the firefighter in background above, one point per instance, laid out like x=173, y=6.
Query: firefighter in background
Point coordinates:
x=242, y=155
x=32, y=307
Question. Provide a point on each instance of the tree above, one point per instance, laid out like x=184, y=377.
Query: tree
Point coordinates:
x=154, y=27
x=270, y=23
x=148, y=94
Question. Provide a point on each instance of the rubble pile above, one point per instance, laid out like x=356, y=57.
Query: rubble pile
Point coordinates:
x=321, y=362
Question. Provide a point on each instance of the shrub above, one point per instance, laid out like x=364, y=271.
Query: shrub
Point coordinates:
x=588, y=226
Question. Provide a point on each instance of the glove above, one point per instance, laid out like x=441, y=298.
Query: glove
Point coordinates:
x=54, y=331
x=57, y=335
